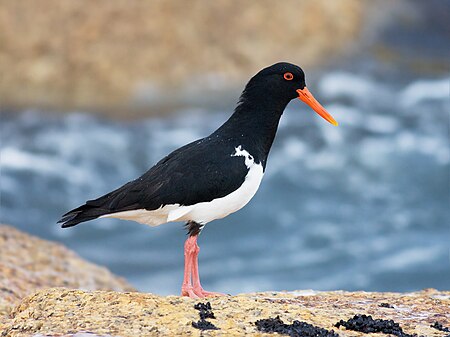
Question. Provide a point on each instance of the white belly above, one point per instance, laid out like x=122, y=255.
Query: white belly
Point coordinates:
x=218, y=208
x=203, y=212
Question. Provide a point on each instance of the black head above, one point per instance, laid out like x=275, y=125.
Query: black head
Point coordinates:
x=281, y=83
x=281, y=80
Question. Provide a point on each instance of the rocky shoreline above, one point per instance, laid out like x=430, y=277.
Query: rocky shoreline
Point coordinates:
x=58, y=311
x=28, y=264
x=94, y=302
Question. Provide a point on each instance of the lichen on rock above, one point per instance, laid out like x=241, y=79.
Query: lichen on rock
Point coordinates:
x=28, y=264
x=56, y=312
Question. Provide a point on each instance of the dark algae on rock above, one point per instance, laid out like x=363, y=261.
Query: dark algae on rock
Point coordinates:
x=386, y=305
x=296, y=329
x=440, y=327
x=204, y=311
x=204, y=325
x=366, y=324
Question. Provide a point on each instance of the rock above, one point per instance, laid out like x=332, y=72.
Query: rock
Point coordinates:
x=28, y=264
x=56, y=312
x=101, y=55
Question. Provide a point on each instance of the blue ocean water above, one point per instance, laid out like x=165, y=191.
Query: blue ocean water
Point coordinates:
x=362, y=206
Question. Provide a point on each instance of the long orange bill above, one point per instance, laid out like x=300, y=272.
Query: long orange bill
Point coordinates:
x=305, y=96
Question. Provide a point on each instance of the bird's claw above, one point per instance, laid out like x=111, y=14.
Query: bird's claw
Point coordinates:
x=198, y=292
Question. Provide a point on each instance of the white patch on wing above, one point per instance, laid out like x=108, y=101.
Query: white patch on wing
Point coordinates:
x=203, y=212
x=249, y=160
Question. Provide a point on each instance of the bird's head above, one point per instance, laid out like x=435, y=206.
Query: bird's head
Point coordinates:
x=285, y=81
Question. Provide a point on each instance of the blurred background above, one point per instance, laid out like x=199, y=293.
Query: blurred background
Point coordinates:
x=94, y=93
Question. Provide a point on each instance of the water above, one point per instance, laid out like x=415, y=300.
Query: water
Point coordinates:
x=362, y=206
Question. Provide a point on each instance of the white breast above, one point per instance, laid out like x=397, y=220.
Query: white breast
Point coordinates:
x=205, y=211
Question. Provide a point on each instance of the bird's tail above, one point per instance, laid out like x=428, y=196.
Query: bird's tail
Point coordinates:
x=111, y=202
x=81, y=214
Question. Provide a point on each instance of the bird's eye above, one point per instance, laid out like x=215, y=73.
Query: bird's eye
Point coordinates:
x=288, y=76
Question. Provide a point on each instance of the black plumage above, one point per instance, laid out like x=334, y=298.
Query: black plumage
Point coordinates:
x=213, y=176
x=198, y=172
x=204, y=169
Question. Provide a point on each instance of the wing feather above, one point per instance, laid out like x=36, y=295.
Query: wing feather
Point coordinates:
x=197, y=172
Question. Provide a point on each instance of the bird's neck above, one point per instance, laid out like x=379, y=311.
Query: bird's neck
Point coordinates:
x=254, y=124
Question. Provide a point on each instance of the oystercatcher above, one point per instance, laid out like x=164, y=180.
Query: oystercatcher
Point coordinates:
x=212, y=177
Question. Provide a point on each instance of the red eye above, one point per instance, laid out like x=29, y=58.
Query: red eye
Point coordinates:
x=288, y=76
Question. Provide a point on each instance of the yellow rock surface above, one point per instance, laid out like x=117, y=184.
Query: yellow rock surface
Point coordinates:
x=57, y=312
x=28, y=264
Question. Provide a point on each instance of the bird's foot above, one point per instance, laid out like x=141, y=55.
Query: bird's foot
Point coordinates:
x=212, y=294
x=198, y=292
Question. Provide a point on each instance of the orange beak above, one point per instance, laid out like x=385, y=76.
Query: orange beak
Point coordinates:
x=305, y=96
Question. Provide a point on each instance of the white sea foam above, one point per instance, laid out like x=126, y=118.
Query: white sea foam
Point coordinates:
x=381, y=123
x=409, y=257
x=337, y=84
x=423, y=90
x=347, y=115
x=16, y=159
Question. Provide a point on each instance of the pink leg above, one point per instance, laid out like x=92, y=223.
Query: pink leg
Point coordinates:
x=191, y=283
x=186, y=287
x=190, y=250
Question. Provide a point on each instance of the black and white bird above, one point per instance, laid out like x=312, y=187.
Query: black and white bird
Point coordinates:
x=212, y=177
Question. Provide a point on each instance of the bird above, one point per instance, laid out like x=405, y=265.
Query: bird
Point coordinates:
x=211, y=177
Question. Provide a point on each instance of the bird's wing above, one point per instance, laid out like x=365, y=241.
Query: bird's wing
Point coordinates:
x=197, y=172
x=187, y=176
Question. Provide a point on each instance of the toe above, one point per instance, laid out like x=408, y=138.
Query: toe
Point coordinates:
x=189, y=292
x=213, y=294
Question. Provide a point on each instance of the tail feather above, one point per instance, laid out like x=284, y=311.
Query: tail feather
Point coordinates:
x=81, y=214
x=109, y=203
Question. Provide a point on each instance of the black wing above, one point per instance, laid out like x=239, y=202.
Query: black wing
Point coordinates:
x=198, y=172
